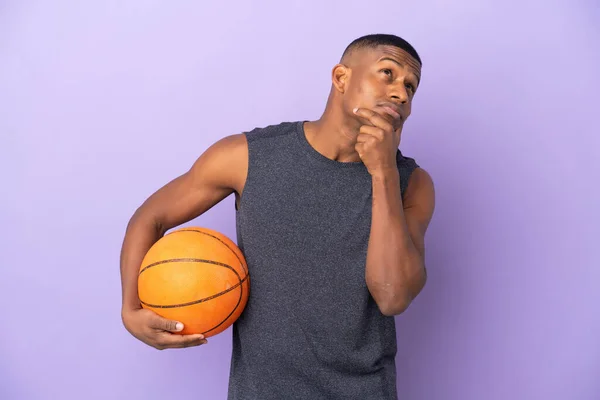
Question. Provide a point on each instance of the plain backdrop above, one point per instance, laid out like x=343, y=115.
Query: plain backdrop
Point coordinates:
x=103, y=102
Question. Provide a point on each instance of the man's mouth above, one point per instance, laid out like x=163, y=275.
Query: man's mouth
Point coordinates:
x=392, y=109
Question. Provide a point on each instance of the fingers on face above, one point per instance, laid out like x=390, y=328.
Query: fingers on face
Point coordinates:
x=369, y=133
x=374, y=118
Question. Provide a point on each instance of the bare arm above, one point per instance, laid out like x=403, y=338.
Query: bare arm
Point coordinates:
x=396, y=271
x=218, y=172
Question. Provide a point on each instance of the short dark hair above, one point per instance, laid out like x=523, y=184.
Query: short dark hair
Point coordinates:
x=381, y=39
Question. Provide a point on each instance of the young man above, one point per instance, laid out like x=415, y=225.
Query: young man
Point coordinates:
x=331, y=218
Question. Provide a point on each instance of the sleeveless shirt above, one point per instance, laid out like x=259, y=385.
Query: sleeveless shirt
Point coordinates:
x=310, y=329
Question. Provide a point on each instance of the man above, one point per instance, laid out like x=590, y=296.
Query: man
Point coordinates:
x=331, y=218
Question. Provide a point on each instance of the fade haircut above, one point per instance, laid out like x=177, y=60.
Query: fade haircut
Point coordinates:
x=380, y=39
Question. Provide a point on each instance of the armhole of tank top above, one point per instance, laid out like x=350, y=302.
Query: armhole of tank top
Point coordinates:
x=245, y=187
x=409, y=165
x=412, y=167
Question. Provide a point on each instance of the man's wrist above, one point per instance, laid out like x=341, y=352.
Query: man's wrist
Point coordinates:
x=386, y=174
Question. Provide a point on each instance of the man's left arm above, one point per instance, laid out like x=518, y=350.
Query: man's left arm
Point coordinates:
x=395, y=270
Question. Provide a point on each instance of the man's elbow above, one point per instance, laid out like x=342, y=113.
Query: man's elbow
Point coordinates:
x=402, y=299
x=393, y=308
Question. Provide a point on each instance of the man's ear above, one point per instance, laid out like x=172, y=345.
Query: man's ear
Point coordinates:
x=340, y=76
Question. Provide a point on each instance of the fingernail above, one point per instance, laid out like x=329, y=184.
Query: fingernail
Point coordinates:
x=179, y=326
x=355, y=110
x=201, y=336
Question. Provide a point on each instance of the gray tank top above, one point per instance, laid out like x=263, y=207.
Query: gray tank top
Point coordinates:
x=311, y=329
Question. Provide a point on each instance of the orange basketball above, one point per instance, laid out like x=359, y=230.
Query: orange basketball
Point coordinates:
x=196, y=276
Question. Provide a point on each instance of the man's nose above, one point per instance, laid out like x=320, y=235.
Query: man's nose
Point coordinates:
x=399, y=95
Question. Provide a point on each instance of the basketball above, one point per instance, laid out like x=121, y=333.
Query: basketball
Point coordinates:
x=196, y=276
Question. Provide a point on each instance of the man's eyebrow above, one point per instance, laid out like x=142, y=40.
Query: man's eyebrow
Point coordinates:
x=400, y=64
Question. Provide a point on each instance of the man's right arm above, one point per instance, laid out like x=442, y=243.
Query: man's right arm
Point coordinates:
x=218, y=172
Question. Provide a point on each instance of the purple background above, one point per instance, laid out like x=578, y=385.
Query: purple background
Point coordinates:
x=103, y=102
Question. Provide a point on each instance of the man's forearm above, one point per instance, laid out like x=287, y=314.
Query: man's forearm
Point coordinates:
x=395, y=270
x=139, y=237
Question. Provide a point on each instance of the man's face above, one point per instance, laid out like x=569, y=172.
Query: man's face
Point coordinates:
x=382, y=78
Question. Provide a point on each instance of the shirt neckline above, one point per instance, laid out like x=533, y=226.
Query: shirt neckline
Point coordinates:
x=318, y=157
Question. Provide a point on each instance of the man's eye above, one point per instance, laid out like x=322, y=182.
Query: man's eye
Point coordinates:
x=387, y=72
x=411, y=87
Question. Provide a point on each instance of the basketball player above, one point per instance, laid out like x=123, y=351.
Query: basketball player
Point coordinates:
x=331, y=218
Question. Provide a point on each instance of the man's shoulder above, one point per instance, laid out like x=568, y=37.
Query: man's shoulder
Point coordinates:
x=272, y=130
x=235, y=146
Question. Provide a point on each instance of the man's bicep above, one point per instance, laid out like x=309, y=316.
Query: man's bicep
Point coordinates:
x=222, y=166
x=419, y=205
x=211, y=178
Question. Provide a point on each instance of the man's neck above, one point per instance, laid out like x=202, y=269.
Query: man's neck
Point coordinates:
x=333, y=137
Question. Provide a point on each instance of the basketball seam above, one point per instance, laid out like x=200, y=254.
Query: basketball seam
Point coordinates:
x=244, y=267
x=192, y=260
x=191, y=303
